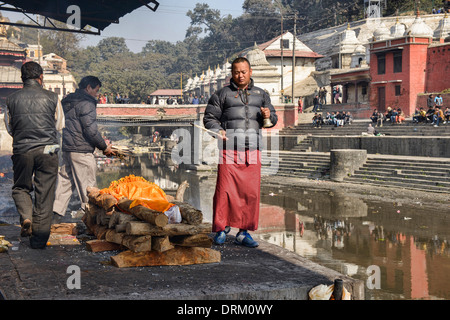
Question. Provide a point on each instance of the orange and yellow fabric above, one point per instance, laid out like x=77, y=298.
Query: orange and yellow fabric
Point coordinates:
x=141, y=191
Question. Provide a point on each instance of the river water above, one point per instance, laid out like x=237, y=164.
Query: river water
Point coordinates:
x=400, y=250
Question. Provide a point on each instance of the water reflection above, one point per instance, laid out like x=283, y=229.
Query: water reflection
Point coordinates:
x=407, y=242
x=345, y=232
x=160, y=169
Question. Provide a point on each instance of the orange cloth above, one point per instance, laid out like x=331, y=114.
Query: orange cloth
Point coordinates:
x=143, y=192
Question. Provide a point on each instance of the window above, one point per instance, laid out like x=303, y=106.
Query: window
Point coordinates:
x=398, y=90
x=364, y=89
x=397, y=62
x=381, y=63
x=285, y=44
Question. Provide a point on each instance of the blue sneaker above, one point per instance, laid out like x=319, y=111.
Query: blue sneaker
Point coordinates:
x=244, y=238
x=220, y=237
x=227, y=230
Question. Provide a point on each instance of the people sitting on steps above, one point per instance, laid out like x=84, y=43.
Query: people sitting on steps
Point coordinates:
x=317, y=120
x=438, y=116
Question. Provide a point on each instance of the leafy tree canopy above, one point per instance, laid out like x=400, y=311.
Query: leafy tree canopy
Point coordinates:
x=210, y=40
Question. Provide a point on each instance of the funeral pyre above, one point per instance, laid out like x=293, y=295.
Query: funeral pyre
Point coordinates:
x=149, y=226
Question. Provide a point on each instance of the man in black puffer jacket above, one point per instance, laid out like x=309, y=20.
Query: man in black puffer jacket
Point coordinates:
x=33, y=118
x=80, y=138
x=237, y=112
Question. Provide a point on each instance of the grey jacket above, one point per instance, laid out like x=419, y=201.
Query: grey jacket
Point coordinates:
x=31, y=117
x=81, y=132
x=239, y=113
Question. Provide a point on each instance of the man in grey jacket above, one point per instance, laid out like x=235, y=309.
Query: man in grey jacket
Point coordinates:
x=80, y=139
x=238, y=112
x=33, y=118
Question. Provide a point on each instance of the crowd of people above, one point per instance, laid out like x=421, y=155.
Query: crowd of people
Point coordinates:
x=337, y=119
x=392, y=115
x=435, y=114
x=104, y=98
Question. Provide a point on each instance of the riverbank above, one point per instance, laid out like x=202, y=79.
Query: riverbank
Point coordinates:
x=265, y=273
x=370, y=192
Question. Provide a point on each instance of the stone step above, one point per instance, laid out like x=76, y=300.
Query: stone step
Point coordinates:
x=357, y=128
x=427, y=172
x=418, y=187
x=406, y=165
x=409, y=160
x=428, y=180
x=304, y=158
x=408, y=178
x=418, y=173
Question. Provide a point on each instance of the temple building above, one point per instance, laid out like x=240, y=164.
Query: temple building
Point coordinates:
x=272, y=70
x=12, y=57
x=405, y=66
x=56, y=76
x=393, y=67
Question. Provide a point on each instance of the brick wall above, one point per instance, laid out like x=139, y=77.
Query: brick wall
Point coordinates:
x=287, y=114
x=438, y=68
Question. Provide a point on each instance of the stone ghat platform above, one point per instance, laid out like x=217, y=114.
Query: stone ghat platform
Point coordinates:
x=264, y=273
x=408, y=139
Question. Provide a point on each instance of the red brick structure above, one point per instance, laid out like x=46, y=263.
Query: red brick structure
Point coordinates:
x=402, y=69
x=438, y=67
x=398, y=72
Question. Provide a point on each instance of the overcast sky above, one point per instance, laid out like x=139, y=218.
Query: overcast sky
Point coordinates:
x=169, y=22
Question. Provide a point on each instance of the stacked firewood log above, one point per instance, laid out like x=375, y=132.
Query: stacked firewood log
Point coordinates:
x=144, y=235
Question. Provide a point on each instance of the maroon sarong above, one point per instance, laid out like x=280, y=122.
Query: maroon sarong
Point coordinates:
x=236, y=199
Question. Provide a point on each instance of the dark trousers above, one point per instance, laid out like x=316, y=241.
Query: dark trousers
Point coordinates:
x=44, y=169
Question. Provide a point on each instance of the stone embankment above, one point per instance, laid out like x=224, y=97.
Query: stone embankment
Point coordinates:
x=408, y=155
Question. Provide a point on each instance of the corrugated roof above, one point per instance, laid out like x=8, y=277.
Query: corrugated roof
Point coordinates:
x=96, y=13
x=167, y=92
x=298, y=54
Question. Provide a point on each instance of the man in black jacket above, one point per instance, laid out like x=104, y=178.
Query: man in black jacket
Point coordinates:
x=33, y=117
x=80, y=139
x=237, y=113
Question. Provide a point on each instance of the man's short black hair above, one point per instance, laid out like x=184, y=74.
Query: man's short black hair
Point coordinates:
x=31, y=70
x=89, y=81
x=240, y=60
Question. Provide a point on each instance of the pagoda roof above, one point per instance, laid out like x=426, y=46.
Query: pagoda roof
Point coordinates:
x=305, y=51
x=11, y=47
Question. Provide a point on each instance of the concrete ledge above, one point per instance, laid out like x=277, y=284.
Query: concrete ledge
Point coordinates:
x=344, y=162
x=416, y=146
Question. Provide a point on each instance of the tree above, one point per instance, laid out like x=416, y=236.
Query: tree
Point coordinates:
x=59, y=42
x=112, y=46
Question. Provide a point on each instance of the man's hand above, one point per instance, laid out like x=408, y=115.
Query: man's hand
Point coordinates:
x=223, y=133
x=265, y=112
x=108, y=151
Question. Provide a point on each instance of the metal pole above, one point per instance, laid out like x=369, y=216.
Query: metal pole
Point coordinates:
x=293, y=56
x=282, y=50
x=39, y=42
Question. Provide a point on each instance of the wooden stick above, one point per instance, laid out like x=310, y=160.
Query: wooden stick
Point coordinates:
x=209, y=131
x=173, y=257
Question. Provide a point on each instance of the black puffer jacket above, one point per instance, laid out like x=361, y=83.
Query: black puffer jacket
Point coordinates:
x=239, y=113
x=32, y=117
x=81, y=132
